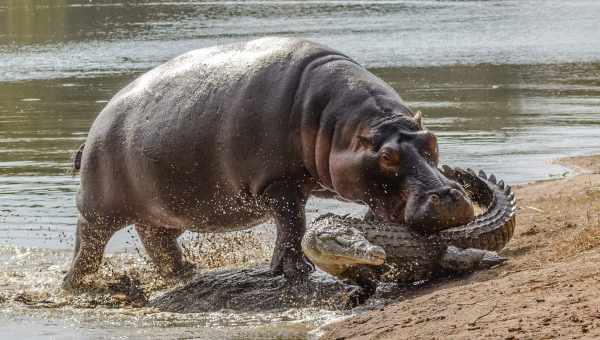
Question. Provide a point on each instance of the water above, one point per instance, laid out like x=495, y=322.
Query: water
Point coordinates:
x=80, y=38
x=507, y=86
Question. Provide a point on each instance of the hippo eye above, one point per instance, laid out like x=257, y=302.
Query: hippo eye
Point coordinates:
x=389, y=160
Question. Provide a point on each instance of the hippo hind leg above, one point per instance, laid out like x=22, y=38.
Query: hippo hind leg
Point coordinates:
x=164, y=251
x=90, y=241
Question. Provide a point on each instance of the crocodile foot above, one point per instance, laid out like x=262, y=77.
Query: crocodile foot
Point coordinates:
x=460, y=260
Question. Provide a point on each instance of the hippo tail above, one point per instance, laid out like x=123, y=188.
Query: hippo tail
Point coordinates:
x=77, y=158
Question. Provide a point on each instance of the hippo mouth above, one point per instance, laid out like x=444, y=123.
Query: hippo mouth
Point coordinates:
x=393, y=214
x=428, y=211
x=398, y=213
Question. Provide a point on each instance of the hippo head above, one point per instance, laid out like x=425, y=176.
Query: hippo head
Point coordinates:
x=392, y=167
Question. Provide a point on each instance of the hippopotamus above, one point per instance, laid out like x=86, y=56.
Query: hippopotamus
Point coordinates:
x=227, y=137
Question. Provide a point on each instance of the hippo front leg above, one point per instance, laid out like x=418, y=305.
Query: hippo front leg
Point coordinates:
x=287, y=202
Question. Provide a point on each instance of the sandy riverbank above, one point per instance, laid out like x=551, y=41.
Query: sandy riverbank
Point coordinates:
x=548, y=289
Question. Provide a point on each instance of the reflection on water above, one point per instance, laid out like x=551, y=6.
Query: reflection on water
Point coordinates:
x=506, y=85
x=505, y=118
x=59, y=39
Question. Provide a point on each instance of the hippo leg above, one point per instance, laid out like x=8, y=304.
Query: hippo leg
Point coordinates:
x=287, y=204
x=164, y=251
x=90, y=241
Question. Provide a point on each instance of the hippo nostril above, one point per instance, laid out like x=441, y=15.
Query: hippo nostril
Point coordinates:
x=455, y=194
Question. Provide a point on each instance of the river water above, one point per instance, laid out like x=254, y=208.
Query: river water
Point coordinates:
x=508, y=86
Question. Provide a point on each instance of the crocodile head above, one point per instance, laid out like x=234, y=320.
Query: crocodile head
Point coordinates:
x=330, y=239
x=335, y=248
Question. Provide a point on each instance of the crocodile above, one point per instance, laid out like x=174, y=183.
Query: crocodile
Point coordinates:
x=361, y=250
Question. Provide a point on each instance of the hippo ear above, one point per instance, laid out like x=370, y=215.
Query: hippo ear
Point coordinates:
x=389, y=160
x=419, y=119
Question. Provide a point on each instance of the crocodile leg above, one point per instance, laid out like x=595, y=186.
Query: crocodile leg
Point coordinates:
x=458, y=260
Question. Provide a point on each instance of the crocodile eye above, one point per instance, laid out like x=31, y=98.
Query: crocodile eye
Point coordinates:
x=343, y=241
x=326, y=236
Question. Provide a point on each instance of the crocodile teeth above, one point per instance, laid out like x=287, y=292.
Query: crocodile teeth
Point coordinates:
x=492, y=178
x=482, y=174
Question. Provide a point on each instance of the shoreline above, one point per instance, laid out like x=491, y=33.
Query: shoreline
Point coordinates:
x=547, y=289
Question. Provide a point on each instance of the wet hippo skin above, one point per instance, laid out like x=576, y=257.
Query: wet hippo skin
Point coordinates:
x=223, y=138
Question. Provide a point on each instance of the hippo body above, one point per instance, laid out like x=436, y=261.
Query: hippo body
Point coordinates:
x=223, y=138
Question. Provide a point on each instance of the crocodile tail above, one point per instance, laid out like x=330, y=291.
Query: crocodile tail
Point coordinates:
x=495, y=227
x=77, y=158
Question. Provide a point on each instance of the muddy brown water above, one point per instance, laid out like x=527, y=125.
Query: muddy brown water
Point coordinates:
x=506, y=85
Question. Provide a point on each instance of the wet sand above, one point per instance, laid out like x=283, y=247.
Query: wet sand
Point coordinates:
x=547, y=290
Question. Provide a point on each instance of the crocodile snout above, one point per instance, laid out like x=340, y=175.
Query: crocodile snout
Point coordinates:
x=376, y=254
x=366, y=252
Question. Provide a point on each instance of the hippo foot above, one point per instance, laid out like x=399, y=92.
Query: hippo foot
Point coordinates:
x=356, y=296
x=293, y=267
x=69, y=284
x=184, y=272
x=73, y=284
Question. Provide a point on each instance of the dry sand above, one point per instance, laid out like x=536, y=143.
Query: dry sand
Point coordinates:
x=549, y=289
